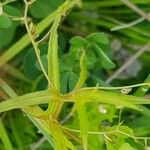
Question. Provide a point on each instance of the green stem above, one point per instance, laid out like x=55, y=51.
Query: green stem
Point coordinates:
x=35, y=46
x=25, y=41
x=4, y=137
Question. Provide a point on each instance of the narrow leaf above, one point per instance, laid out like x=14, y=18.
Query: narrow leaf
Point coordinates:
x=109, y=98
x=26, y=100
x=4, y=137
x=53, y=61
x=81, y=109
x=83, y=72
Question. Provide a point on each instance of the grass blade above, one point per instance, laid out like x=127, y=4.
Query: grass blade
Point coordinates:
x=4, y=137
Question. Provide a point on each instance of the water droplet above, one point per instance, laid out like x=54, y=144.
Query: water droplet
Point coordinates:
x=126, y=90
x=102, y=109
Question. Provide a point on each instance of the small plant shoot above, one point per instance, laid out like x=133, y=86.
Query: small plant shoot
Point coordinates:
x=74, y=75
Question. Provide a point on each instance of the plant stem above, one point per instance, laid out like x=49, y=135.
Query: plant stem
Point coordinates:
x=25, y=41
x=37, y=50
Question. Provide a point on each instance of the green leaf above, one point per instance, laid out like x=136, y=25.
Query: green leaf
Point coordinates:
x=73, y=79
x=41, y=8
x=78, y=42
x=24, y=41
x=42, y=128
x=126, y=146
x=41, y=84
x=94, y=109
x=13, y=11
x=26, y=100
x=143, y=89
x=104, y=59
x=6, y=35
x=4, y=136
x=83, y=118
x=29, y=64
x=44, y=62
x=117, y=139
x=60, y=139
x=53, y=60
x=5, y=21
x=64, y=82
x=110, y=98
x=83, y=72
x=38, y=122
x=98, y=38
x=47, y=6
x=90, y=59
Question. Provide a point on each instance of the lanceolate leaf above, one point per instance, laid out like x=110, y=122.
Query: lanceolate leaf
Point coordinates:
x=83, y=72
x=61, y=142
x=40, y=124
x=108, y=98
x=83, y=118
x=26, y=100
x=53, y=62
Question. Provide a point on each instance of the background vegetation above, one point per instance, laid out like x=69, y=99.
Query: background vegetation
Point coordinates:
x=68, y=66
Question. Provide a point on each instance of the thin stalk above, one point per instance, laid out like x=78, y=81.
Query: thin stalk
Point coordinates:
x=37, y=50
x=110, y=132
x=118, y=88
x=25, y=41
